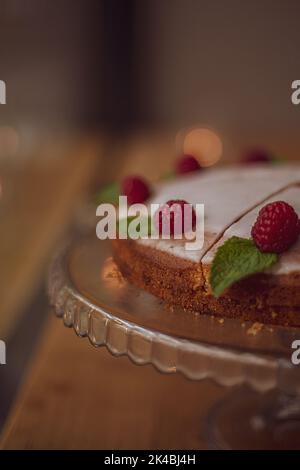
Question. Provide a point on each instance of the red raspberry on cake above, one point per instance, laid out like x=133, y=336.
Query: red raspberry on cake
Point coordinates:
x=136, y=189
x=177, y=214
x=257, y=156
x=277, y=227
x=187, y=164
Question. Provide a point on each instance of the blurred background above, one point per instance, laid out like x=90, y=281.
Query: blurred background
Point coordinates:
x=99, y=88
x=128, y=64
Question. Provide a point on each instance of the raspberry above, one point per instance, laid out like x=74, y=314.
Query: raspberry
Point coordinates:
x=257, y=156
x=277, y=227
x=187, y=164
x=135, y=188
x=177, y=214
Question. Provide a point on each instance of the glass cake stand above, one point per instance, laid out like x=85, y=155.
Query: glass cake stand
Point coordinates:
x=90, y=295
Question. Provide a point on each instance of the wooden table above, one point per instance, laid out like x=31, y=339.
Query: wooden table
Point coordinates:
x=38, y=203
x=79, y=397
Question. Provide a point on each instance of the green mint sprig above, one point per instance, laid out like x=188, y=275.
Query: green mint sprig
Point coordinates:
x=236, y=259
x=168, y=176
x=109, y=194
x=143, y=228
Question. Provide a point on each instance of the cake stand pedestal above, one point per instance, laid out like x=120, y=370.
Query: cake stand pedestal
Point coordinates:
x=250, y=420
x=263, y=412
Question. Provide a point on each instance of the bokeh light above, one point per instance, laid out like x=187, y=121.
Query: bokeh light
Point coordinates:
x=203, y=143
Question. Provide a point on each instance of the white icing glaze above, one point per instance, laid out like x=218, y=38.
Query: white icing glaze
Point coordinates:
x=227, y=194
x=290, y=260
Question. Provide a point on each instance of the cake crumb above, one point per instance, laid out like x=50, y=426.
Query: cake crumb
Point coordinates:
x=115, y=274
x=243, y=325
x=254, y=329
x=111, y=272
x=221, y=320
x=167, y=306
x=274, y=314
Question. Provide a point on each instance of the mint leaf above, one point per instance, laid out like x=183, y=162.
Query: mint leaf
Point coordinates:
x=144, y=227
x=109, y=194
x=168, y=176
x=277, y=160
x=236, y=259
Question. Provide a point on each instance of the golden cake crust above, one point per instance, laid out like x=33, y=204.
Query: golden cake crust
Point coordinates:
x=264, y=298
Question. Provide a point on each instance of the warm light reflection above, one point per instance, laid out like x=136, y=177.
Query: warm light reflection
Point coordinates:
x=9, y=141
x=204, y=144
x=110, y=273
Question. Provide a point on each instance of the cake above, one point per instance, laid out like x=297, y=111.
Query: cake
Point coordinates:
x=232, y=197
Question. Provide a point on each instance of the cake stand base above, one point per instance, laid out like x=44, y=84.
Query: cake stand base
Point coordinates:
x=249, y=420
